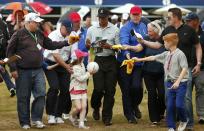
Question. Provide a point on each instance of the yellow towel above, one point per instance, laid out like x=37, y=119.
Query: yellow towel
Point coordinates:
x=73, y=39
x=117, y=47
x=129, y=65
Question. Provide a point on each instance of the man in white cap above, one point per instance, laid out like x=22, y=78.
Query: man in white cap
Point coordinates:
x=124, y=19
x=114, y=19
x=27, y=72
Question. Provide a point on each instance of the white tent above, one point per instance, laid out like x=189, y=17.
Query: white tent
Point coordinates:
x=125, y=9
x=83, y=11
x=164, y=10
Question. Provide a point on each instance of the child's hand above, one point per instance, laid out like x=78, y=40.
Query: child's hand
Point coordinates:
x=175, y=85
x=2, y=62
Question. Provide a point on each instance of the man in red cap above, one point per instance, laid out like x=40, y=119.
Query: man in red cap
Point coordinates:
x=131, y=85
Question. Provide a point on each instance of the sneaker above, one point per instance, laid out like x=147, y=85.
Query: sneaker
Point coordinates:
x=96, y=114
x=12, y=92
x=38, y=124
x=51, y=119
x=138, y=113
x=201, y=121
x=154, y=123
x=65, y=116
x=171, y=129
x=83, y=127
x=182, y=126
x=132, y=121
x=26, y=127
x=107, y=122
x=59, y=120
x=73, y=121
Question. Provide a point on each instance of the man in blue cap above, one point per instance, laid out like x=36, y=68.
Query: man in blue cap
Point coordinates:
x=192, y=20
x=58, y=97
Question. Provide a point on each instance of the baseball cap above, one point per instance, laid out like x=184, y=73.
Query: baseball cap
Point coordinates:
x=191, y=16
x=125, y=16
x=74, y=17
x=103, y=12
x=114, y=17
x=33, y=17
x=68, y=24
x=80, y=53
x=135, y=10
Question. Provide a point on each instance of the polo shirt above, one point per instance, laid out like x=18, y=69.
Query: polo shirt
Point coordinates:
x=111, y=33
x=173, y=62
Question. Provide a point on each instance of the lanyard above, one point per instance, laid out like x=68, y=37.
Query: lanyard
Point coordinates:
x=33, y=36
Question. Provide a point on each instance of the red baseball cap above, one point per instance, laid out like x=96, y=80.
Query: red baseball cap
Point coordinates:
x=74, y=17
x=136, y=10
x=80, y=53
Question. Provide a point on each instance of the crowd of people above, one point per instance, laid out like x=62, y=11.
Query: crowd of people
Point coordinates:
x=167, y=56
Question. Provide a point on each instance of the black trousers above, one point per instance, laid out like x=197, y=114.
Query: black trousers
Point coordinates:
x=132, y=90
x=156, y=95
x=58, y=99
x=104, y=85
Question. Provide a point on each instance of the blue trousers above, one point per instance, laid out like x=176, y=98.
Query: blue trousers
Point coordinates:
x=176, y=104
x=6, y=77
x=30, y=81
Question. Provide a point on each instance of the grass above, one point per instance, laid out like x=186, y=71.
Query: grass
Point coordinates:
x=9, y=119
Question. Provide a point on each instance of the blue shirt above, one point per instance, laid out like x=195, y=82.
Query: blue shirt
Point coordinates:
x=82, y=44
x=127, y=39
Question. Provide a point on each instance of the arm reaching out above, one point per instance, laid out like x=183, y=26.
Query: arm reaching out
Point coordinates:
x=150, y=58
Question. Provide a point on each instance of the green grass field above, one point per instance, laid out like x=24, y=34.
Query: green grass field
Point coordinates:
x=9, y=120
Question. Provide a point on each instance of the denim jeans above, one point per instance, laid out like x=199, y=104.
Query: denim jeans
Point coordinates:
x=30, y=81
x=188, y=99
x=176, y=100
x=199, y=88
x=7, y=78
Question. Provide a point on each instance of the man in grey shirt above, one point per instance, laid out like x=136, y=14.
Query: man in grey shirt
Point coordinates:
x=101, y=37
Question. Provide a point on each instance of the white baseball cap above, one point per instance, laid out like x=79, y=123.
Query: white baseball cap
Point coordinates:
x=125, y=16
x=114, y=17
x=33, y=17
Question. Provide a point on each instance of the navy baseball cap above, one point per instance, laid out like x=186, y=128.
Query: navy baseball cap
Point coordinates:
x=191, y=16
x=103, y=12
x=67, y=24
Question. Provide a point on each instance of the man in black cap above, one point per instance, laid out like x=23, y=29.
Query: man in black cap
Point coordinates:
x=101, y=37
x=192, y=20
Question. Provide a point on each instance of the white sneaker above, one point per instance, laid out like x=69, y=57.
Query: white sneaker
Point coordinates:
x=38, y=124
x=26, y=127
x=171, y=129
x=51, y=119
x=182, y=126
x=59, y=120
x=65, y=116
x=82, y=126
x=73, y=121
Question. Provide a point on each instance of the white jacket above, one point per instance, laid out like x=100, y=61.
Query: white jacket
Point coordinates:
x=79, y=78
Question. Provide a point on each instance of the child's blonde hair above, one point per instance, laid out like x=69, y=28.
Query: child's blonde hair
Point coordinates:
x=171, y=37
